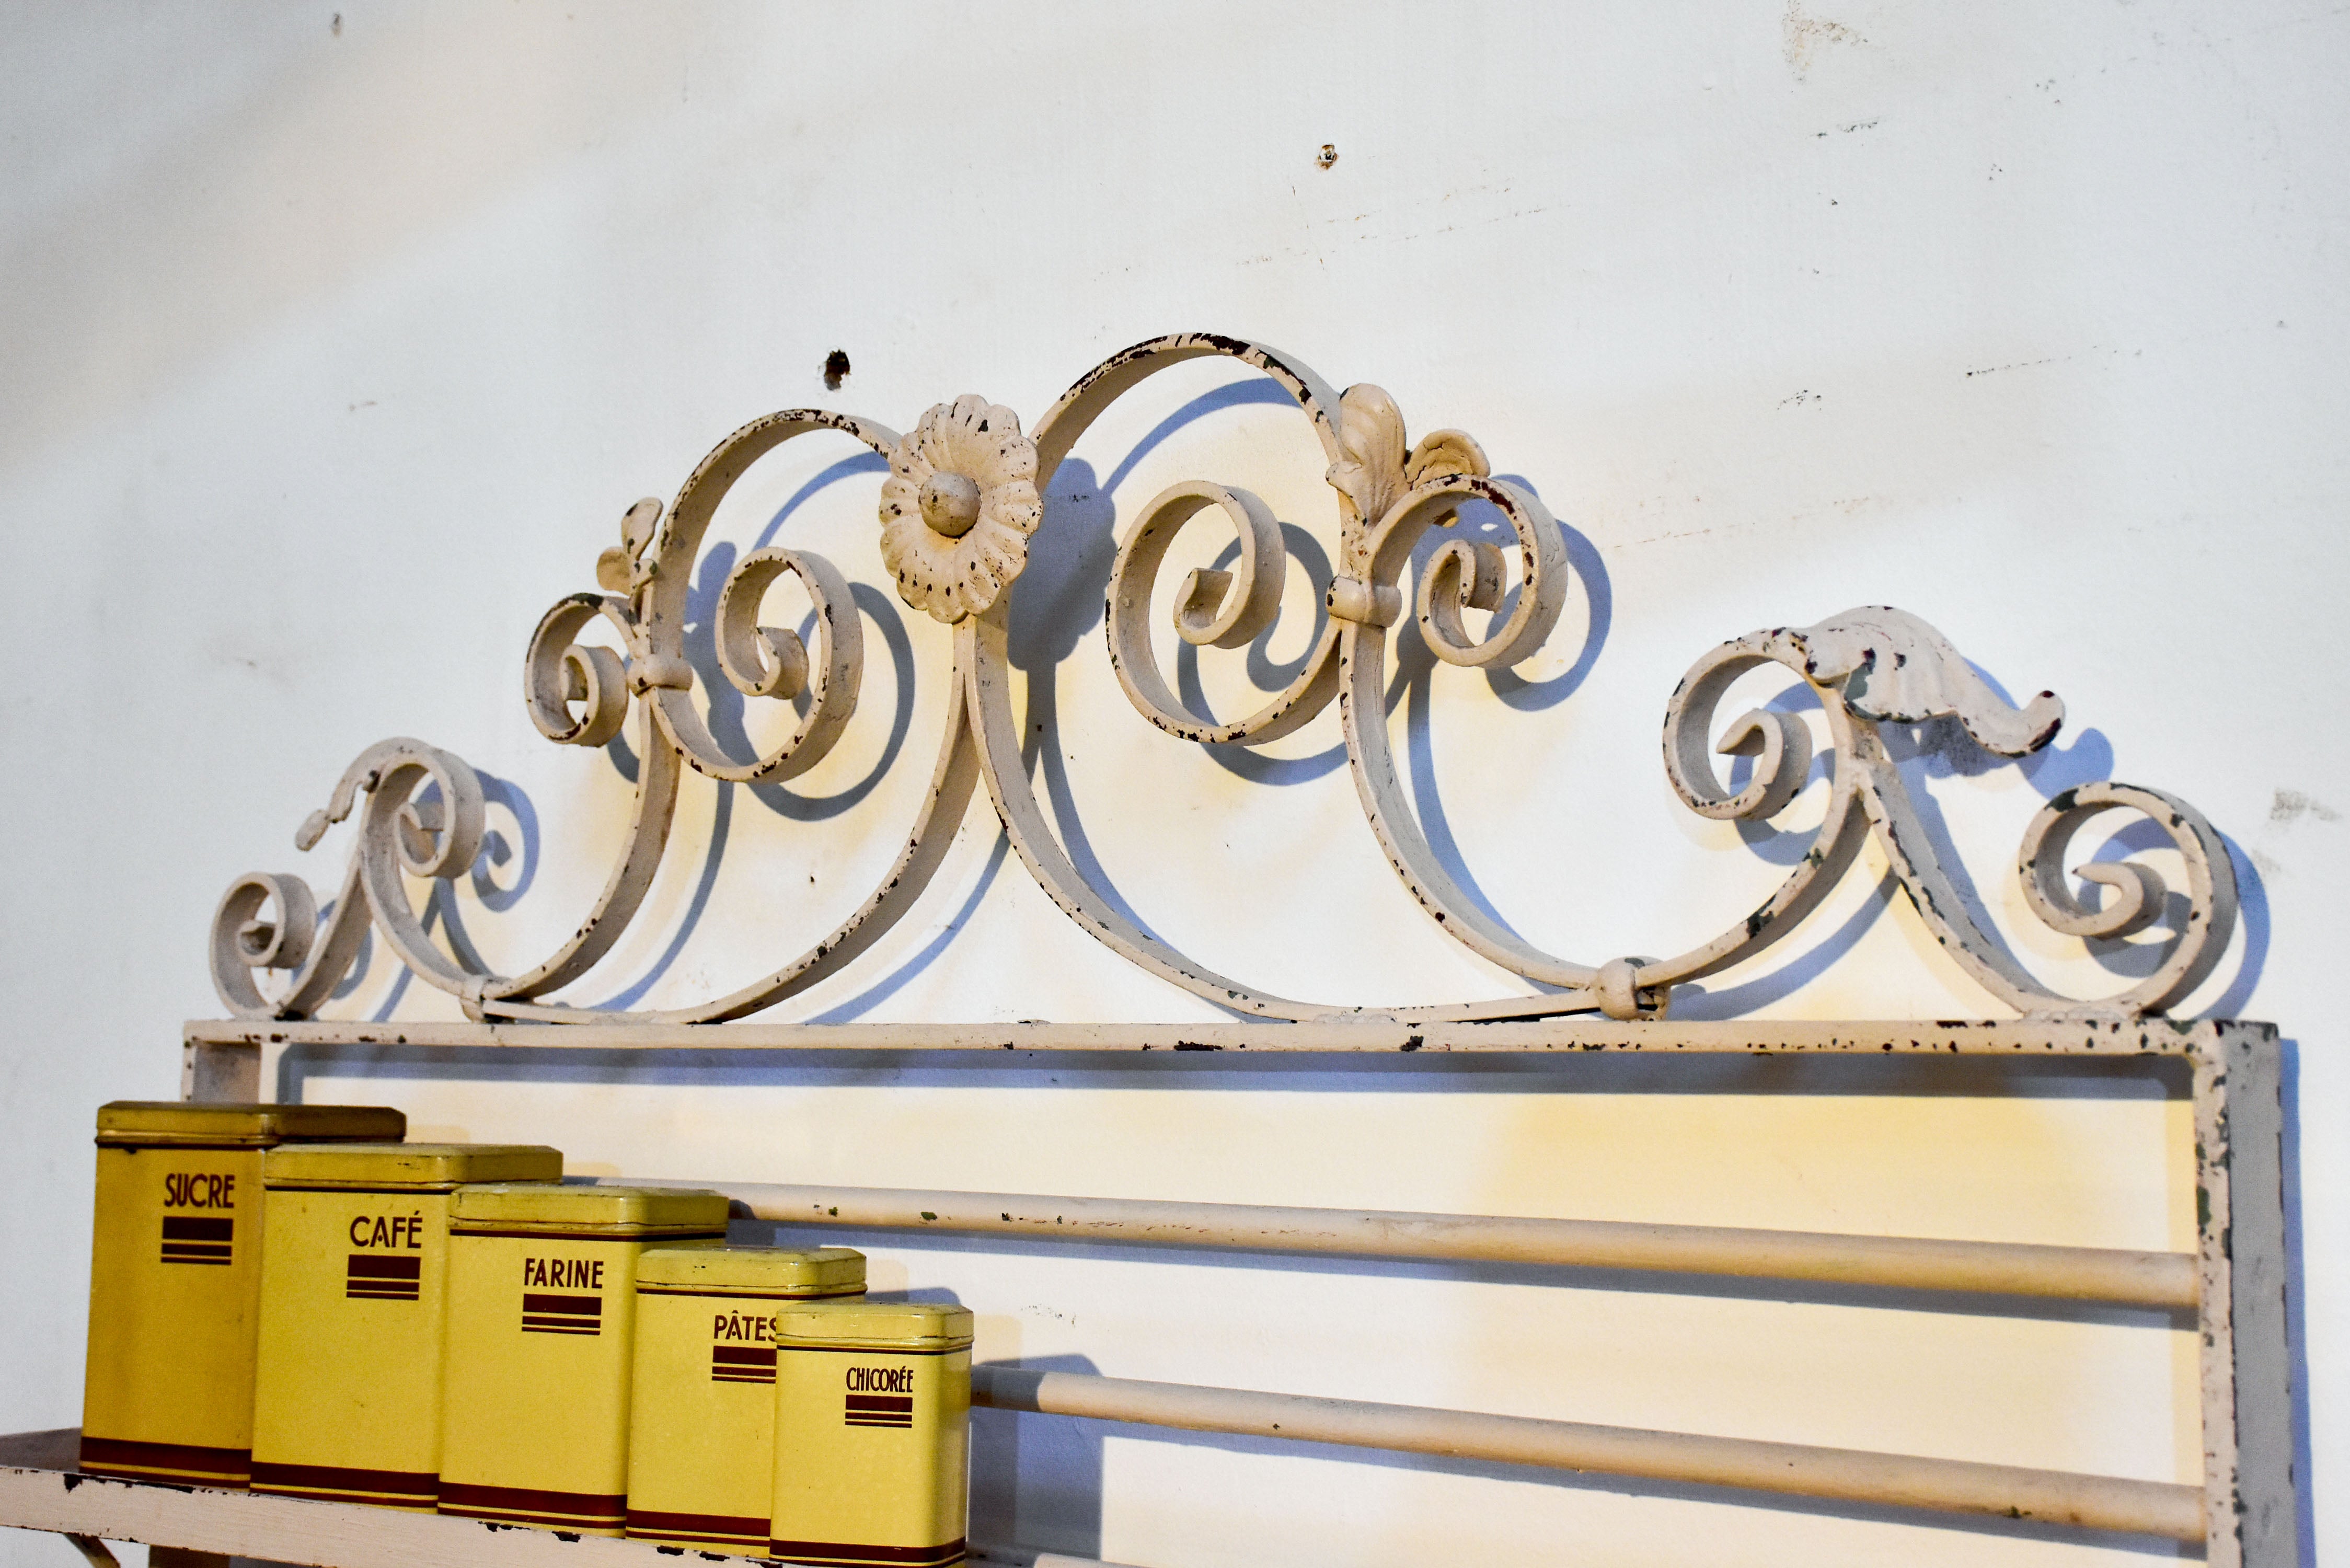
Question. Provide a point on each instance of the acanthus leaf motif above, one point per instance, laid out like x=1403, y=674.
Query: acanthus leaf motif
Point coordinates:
x=1440, y=454
x=1369, y=473
x=1897, y=670
x=1375, y=472
x=622, y=568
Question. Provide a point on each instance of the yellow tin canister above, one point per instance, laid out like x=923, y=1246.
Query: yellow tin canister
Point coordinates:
x=353, y=1299
x=702, y=1434
x=872, y=1434
x=175, y=1280
x=542, y=1314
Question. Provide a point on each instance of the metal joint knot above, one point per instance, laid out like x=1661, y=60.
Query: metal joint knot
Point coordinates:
x=1369, y=604
x=658, y=670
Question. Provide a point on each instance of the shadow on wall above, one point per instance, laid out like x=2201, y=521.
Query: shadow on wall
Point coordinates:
x=1964, y=1527
x=1036, y=1480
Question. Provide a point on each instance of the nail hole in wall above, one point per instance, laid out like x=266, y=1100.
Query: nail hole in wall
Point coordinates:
x=1326, y=156
x=835, y=369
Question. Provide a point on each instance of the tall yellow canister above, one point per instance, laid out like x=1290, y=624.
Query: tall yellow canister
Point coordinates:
x=354, y=1299
x=872, y=1434
x=702, y=1438
x=541, y=1315
x=175, y=1280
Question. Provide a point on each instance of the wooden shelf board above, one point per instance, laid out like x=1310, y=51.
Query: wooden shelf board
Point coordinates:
x=40, y=1490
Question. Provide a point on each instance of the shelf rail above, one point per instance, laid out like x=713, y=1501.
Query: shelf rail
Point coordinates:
x=2163, y=1279
x=2166, y=1280
x=1897, y=1481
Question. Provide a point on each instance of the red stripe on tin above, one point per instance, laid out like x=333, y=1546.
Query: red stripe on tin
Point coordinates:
x=851, y=1555
x=270, y=1476
x=119, y=1456
x=635, y=1238
x=720, y=1528
x=557, y=1507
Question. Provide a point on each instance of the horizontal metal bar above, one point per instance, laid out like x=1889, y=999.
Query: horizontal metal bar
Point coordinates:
x=2107, y=1039
x=1898, y=1481
x=2005, y=1268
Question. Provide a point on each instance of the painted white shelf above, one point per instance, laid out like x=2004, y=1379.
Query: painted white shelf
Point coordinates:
x=40, y=1490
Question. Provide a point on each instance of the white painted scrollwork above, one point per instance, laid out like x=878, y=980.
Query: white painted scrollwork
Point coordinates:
x=958, y=512
x=1212, y=609
x=2137, y=892
x=401, y=834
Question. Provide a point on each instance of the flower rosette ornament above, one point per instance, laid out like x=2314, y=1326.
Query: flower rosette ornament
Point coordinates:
x=958, y=507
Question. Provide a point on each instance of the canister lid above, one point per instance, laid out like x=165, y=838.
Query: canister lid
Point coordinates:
x=531, y=1206
x=767, y=1272
x=175, y=1124
x=861, y=1323
x=439, y=1165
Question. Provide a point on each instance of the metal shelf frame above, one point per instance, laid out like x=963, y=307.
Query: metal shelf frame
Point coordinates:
x=2244, y=1514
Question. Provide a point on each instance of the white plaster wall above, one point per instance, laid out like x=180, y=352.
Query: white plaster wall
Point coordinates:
x=336, y=342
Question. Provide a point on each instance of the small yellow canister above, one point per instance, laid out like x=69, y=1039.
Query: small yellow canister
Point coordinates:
x=175, y=1280
x=353, y=1299
x=701, y=1436
x=542, y=1315
x=872, y=1434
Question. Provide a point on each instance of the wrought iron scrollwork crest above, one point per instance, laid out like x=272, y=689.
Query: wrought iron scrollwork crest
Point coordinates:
x=957, y=513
